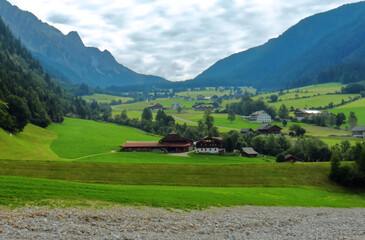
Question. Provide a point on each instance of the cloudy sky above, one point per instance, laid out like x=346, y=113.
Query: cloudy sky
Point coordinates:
x=174, y=39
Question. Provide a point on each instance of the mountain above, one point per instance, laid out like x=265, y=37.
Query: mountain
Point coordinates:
x=65, y=57
x=314, y=44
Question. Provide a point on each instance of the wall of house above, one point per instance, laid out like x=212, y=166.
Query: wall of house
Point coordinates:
x=207, y=150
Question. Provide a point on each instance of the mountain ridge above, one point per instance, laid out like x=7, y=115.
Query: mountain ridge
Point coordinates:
x=65, y=56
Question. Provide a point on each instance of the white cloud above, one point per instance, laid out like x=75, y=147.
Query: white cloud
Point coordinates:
x=174, y=39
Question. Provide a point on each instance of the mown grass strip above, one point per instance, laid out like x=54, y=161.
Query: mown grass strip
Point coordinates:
x=19, y=191
x=269, y=175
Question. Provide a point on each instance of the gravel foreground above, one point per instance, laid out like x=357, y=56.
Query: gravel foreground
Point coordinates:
x=154, y=223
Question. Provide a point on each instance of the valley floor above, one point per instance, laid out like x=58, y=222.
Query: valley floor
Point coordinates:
x=154, y=223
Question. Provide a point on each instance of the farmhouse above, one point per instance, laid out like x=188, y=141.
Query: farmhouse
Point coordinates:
x=268, y=129
x=304, y=113
x=172, y=143
x=248, y=152
x=246, y=131
x=358, y=131
x=292, y=159
x=204, y=108
x=210, y=145
x=176, y=106
x=157, y=106
x=260, y=117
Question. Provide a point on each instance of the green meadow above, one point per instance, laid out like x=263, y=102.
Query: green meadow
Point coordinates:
x=358, y=107
x=103, y=98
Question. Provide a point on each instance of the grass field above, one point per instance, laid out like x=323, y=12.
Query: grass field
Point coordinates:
x=358, y=107
x=103, y=98
x=78, y=138
x=19, y=191
x=31, y=144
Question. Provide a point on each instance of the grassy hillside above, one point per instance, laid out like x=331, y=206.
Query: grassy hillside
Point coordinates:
x=77, y=138
x=358, y=107
x=103, y=98
x=31, y=144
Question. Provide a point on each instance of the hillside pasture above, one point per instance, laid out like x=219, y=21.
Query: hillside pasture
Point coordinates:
x=78, y=138
x=358, y=107
x=104, y=98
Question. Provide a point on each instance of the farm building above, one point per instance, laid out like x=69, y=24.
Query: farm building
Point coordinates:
x=204, y=108
x=210, y=145
x=172, y=143
x=246, y=131
x=358, y=131
x=176, y=106
x=200, y=97
x=259, y=117
x=292, y=159
x=248, y=152
x=304, y=113
x=268, y=129
x=157, y=106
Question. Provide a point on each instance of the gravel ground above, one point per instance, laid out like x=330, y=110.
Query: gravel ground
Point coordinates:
x=153, y=223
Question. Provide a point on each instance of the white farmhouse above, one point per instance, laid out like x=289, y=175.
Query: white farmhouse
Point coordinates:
x=259, y=117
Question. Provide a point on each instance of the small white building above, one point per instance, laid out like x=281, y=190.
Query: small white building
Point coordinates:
x=176, y=106
x=260, y=117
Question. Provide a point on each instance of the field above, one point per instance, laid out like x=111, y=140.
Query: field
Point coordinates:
x=358, y=107
x=103, y=98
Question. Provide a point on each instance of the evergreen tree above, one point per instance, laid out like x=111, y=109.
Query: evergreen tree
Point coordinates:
x=352, y=120
x=147, y=114
x=283, y=112
x=231, y=116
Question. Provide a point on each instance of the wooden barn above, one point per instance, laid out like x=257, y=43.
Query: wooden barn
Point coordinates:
x=248, y=152
x=172, y=143
x=210, y=145
x=292, y=159
x=269, y=129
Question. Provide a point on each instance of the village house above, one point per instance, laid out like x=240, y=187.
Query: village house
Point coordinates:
x=260, y=117
x=248, y=152
x=176, y=106
x=292, y=159
x=157, y=106
x=172, y=143
x=212, y=145
x=358, y=132
x=304, y=113
x=200, y=97
x=268, y=129
x=204, y=108
x=246, y=131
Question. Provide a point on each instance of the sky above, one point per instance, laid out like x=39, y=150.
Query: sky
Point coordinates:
x=175, y=39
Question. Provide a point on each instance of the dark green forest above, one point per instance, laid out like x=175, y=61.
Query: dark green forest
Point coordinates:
x=28, y=94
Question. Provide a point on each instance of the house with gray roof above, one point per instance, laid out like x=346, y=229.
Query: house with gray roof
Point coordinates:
x=358, y=131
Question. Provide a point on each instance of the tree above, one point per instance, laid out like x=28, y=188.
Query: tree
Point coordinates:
x=285, y=123
x=335, y=164
x=340, y=119
x=352, y=120
x=274, y=98
x=298, y=130
x=124, y=115
x=231, y=116
x=283, y=112
x=208, y=119
x=147, y=114
x=179, y=109
x=19, y=111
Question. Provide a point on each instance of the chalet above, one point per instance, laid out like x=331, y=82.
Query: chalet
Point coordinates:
x=246, y=131
x=172, y=143
x=176, y=106
x=268, y=129
x=248, y=152
x=157, y=106
x=260, y=117
x=204, y=108
x=304, y=113
x=292, y=159
x=358, y=131
x=210, y=145
x=200, y=97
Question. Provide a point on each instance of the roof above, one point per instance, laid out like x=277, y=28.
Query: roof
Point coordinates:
x=210, y=138
x=309, y=111
x=287, y=156
x=258, y=113
x=358, y=129
x=266, y=126
x=156, y=105
x=246, y=130
x=249, y=150
x=173, y=137
x=154, y=144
